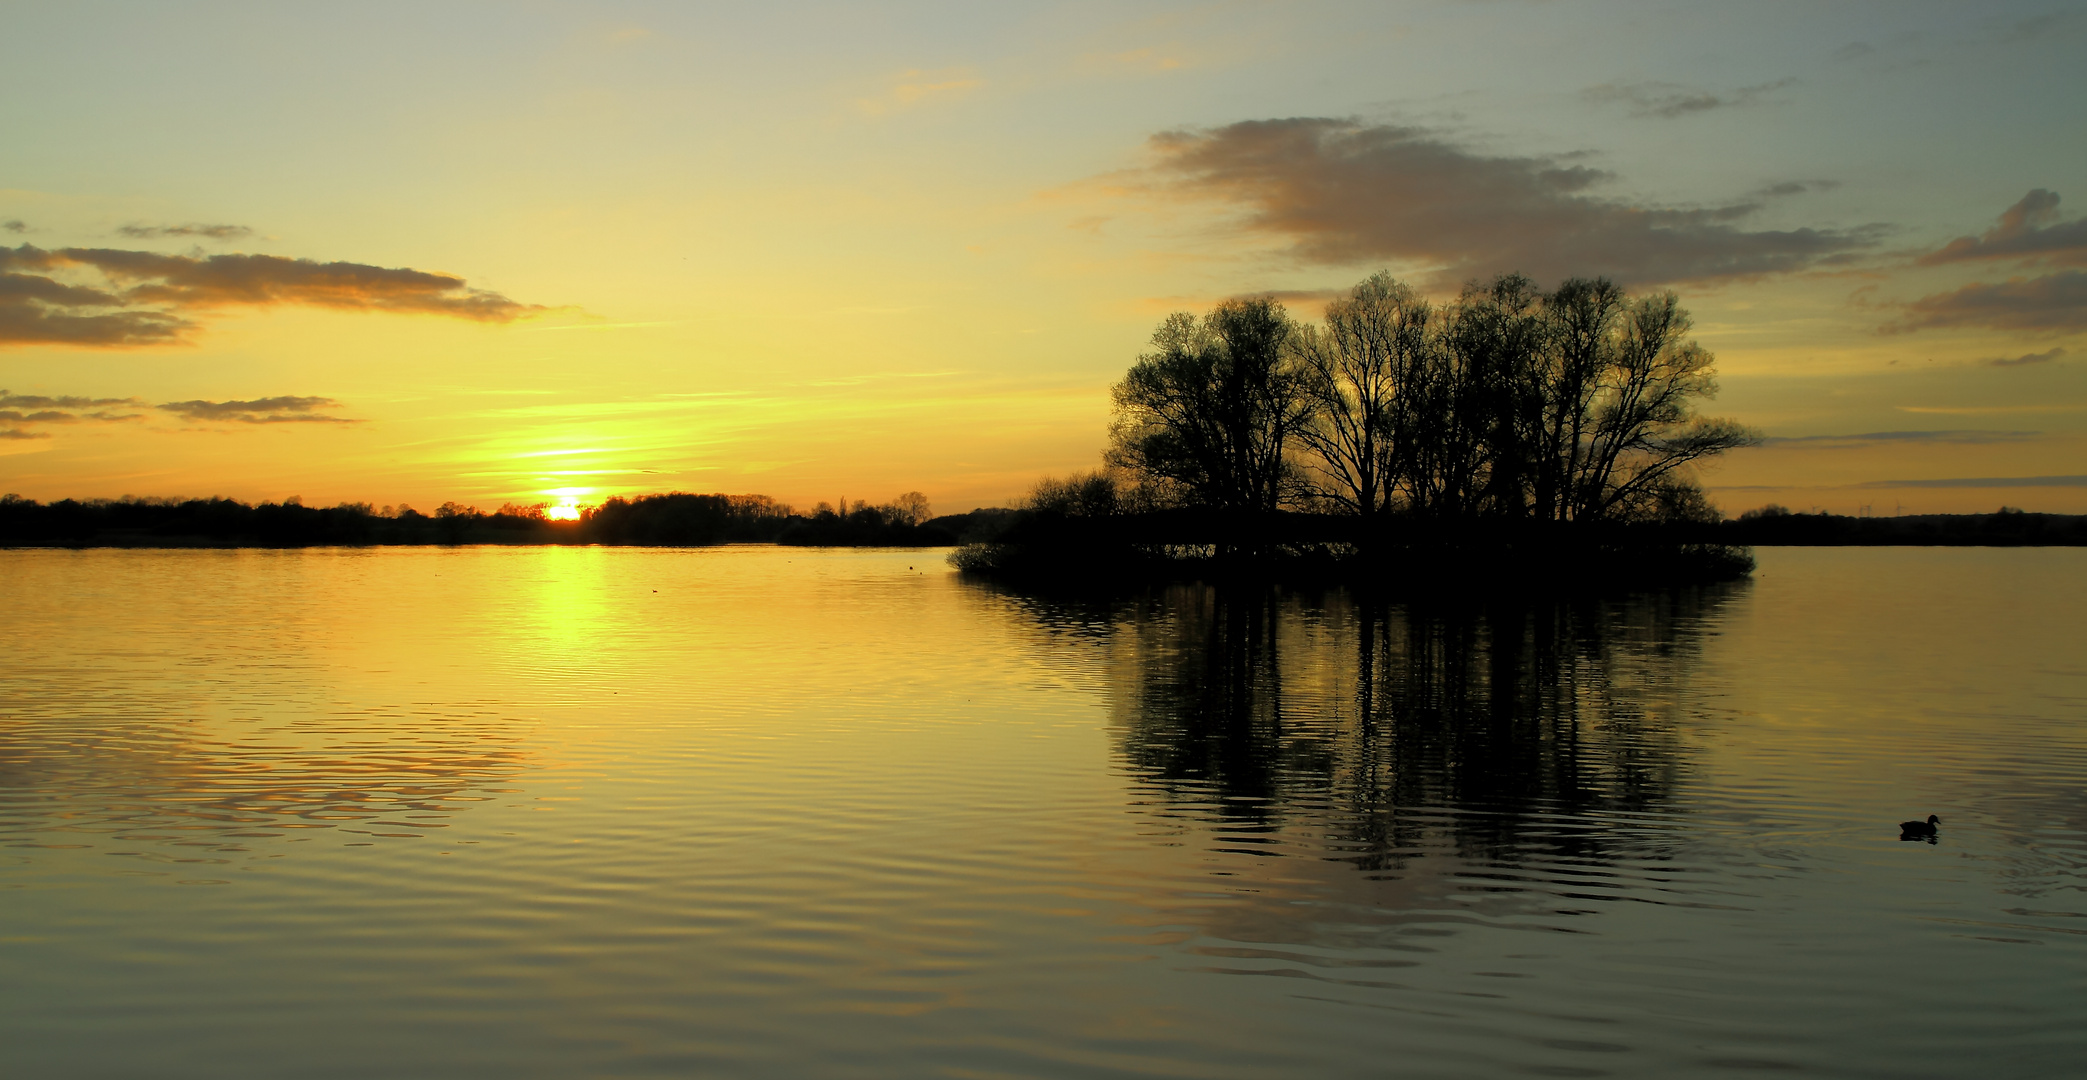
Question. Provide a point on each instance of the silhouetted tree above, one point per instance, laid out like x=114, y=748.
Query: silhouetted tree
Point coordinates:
x=1211, y=410
x=680, y=518
x=1491, y=342
x=1509, y=404
x=1083, y=494
x=910, y=509
x=1644, y=427
x=1573, y=405
x=1356, y=375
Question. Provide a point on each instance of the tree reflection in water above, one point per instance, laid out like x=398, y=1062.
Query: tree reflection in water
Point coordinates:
x=1495, y=730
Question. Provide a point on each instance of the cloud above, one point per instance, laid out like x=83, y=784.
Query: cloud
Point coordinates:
x=20, y=409
x=1794, y=187
x=1346, y=192
x=2044, y=357
x=1994, y=410
x=15, y=225
x=2028, y=230
x=2051, y=302
x=211, y=232
x=2039, y=28
x=39, y=401
x=17, y=411
x=1897, y=438
x=919, y=86
x=1297, y=296
x=270, y=410
x=1133, y=59
x=1669, y=100
x=1984, y=482
x=916, y=86
x=113, y=298
x=858, y=380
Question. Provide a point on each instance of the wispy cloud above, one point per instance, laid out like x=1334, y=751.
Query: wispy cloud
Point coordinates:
x=19, y=412
x=269, y=410
x=1895, y=438
x=2038, y=28
x=1298, y=296
x=916, y=87
x=1786, y=188
x=1669, y=100
x=603, y=326
x=112, y=298
x=208, y=232
x=1146, y=59
x=1345, y=192
x=39, y=401
x=15, y=225
x=22, y=414
x=859, y=380
x=2044, y=357
x=1983, y=482
x=1994, y=410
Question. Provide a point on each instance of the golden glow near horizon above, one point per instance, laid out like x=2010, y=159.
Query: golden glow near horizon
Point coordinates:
x=880, y=251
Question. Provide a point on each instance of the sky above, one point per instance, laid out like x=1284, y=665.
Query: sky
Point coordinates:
x=530, y=252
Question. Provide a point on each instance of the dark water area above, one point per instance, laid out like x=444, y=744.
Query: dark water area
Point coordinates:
x=757, y=811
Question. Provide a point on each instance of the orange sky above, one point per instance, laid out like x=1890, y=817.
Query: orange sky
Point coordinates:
x=404, y=254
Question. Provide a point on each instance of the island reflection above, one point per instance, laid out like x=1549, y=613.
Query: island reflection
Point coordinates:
x=1374, y=733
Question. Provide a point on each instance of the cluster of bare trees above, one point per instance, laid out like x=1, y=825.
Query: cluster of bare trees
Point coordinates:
x=1577, y=404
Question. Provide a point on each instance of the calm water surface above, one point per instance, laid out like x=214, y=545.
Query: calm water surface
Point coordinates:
x=771, y=812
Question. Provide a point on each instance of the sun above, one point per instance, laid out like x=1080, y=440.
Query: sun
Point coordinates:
x=565, y=511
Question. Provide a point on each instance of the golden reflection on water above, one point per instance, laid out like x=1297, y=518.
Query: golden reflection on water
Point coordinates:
x=561, y=811
x=137, y=783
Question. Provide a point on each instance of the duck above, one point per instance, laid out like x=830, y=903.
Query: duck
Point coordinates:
x=1919, y=830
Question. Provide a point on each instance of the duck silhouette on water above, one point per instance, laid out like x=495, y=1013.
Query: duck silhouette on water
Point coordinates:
x=1920, y=830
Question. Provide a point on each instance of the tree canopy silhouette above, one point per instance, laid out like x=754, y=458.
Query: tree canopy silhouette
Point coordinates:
x=1508, y=403
x=1212, y=409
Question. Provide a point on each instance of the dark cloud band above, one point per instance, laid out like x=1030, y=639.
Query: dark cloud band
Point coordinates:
x=2026, y=359
x=115, y=298
x=1345, y=192
x=271, y=410
x=1668, y=100
x=208, y=232
x=2028, y=230
x=2052, y=302
x=20, y=414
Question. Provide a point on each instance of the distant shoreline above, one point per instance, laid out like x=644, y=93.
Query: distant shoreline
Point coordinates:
x=271, y=527
x=1074, y=545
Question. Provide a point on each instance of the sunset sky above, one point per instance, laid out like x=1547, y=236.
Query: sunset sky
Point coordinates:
x=524, y=252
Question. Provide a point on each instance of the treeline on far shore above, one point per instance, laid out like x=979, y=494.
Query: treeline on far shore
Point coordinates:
x=1776, y=526
x=679, y=519
x=676, y=519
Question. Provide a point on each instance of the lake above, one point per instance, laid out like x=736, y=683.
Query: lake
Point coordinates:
x=758, y=811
